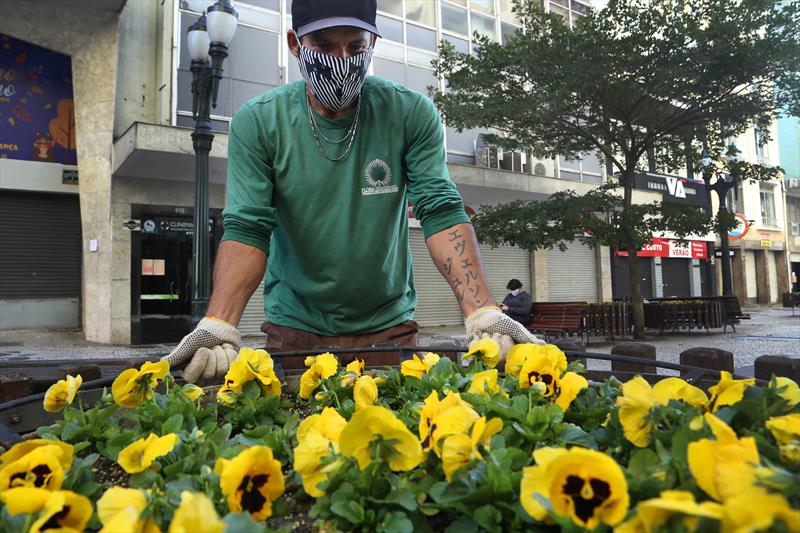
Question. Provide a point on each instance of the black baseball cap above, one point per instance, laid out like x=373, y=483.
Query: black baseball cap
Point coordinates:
x=314, y=15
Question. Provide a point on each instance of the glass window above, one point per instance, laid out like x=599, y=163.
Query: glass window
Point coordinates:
x=459, y=2
x=759, y=140
x=560, y=11
x=483, y=25
x=462, y=45
x=391, y=29
x=571, y=176
x=394, y=7
x=455, y=19
x=391, y=70
x=423, y=11
x=486, y=6
x=197, y=6
x=259, y=18
x=418, y=57
x=767, y=206
x=507, y=31
x=580, y=8
x=420, y=37
x=507, y=11
x=591, y=163
x=390, y=50
x=574, y=164
x=418, y=79
x=274, y=5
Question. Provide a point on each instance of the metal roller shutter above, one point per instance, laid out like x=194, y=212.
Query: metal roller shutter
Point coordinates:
x=40, y=254
x=572, y=274
x=253, y=316
x=675, y=277
x=436, y=305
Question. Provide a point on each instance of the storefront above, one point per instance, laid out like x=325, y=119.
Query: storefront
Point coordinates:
x=572, y=274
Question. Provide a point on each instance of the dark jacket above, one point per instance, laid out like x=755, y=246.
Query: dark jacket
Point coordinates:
x=519, y=307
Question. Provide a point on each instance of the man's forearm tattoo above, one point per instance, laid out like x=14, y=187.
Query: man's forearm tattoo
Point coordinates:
x=470, y=277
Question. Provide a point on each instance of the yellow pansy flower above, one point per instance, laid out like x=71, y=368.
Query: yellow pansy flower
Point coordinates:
x=399, y=447
x=728, y=391
x=486, y=383
x=544, y=364
x=251, y=481
x=39, y=468
x=24, y=500
x=20, y=449
x=226, y=396
x=789, y=390
x=486, y=351
x=634, y=407
x=456, y=453
x=139, y=455
x=725, y=466
x=654, y=513
x=61, y=393
x=678, y=389
x=587, y=486
x=758, y=511
x=260, y=367
x=237, y=376
x=416, y=367
x=570, y=385
x=437, y=419
x=352, y=372
x=323, y=367
x=196, y=514
x=365, y=392
x=786, y=431
x=638, y=398
x=192, y=391
x=133, y=386
x=316, y=436
x=517, y=355
x=63, y=511
x=120, y=510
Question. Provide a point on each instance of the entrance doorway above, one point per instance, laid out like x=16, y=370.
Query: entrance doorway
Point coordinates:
x=161, y=271
x=675, y=277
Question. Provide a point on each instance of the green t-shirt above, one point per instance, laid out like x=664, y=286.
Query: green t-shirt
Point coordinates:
x=339, y=259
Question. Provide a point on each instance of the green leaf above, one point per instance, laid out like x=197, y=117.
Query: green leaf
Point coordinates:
x=172, y=425
x=488, y=517
x=642, y=462
x=396, y=522
x=70, y=431
x=402, y=497
x=242, y=523
x=349, y=510
x=572, y=434
x=464, y=524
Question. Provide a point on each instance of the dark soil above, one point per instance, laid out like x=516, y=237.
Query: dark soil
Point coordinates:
x=109, y=473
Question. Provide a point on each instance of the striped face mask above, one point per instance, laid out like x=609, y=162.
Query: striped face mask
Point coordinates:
x=334, y=81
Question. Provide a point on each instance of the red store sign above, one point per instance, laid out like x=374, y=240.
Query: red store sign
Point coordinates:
x=671, y=248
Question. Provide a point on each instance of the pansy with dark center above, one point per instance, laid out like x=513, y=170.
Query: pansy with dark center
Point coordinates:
x=55, y=521
x=252, y=500
x=41, y=474
x=587, y=495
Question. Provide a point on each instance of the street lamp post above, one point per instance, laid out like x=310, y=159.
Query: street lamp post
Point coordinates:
x=721, y=186
x=207, y=41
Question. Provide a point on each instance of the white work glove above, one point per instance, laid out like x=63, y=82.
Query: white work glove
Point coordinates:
x=212, y=347
x=492, y=323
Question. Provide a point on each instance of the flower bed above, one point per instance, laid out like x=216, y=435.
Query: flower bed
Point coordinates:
x=430, y=446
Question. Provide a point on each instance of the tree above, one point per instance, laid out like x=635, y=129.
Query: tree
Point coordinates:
x=637, y=80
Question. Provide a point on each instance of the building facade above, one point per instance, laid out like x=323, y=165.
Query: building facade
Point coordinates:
x=124, y=251
x=789, y=157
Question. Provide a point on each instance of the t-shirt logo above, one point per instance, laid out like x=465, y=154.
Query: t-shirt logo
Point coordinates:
x=378, y=178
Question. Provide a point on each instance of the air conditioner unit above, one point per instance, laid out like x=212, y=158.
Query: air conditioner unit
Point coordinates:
x=542, y=167
x=488, y=157
x=514, y=161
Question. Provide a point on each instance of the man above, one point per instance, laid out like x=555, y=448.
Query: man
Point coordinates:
x=319, y=175
x=517, y=303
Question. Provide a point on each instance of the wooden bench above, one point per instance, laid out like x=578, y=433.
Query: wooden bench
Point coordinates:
x=557, y=318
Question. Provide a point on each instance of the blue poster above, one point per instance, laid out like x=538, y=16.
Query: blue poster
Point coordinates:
x=37, y=112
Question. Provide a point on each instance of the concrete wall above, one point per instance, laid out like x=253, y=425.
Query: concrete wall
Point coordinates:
x=89, y=36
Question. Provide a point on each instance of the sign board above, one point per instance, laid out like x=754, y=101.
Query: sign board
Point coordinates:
x=671, y=248
x=675, y=187
x=69, y=177
x=718, y=253
x=743, y=226
x=37, y=111
x=171, y=225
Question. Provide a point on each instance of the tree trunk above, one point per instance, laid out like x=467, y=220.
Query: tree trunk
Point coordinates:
x=633, y=261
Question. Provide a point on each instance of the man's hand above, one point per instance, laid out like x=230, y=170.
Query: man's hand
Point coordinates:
x=212, y=346
x=490, y=322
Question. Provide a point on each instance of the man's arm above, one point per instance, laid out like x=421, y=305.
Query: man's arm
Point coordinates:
x=457, y=256
x=238, y=271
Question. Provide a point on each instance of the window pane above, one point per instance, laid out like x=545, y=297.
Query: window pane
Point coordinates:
x=462, y=45
x=423, y=11
x=574, y=164
x=508, y=31
x=581, y=8
x=487, y=6
x=563, y=13
x=420, y=58
x=395, y=7
x=391, y=29
x=418, y=79
x=591, y=163
x=506, y=10
x=483, y=25
x=259, y=18
x=590, y=178
x=459, y=2
x=274, y=5
x=390, y=50
x=454, y=19
x=198, y=6
x=572, y=176
x=420, y=37
x=391, y=70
